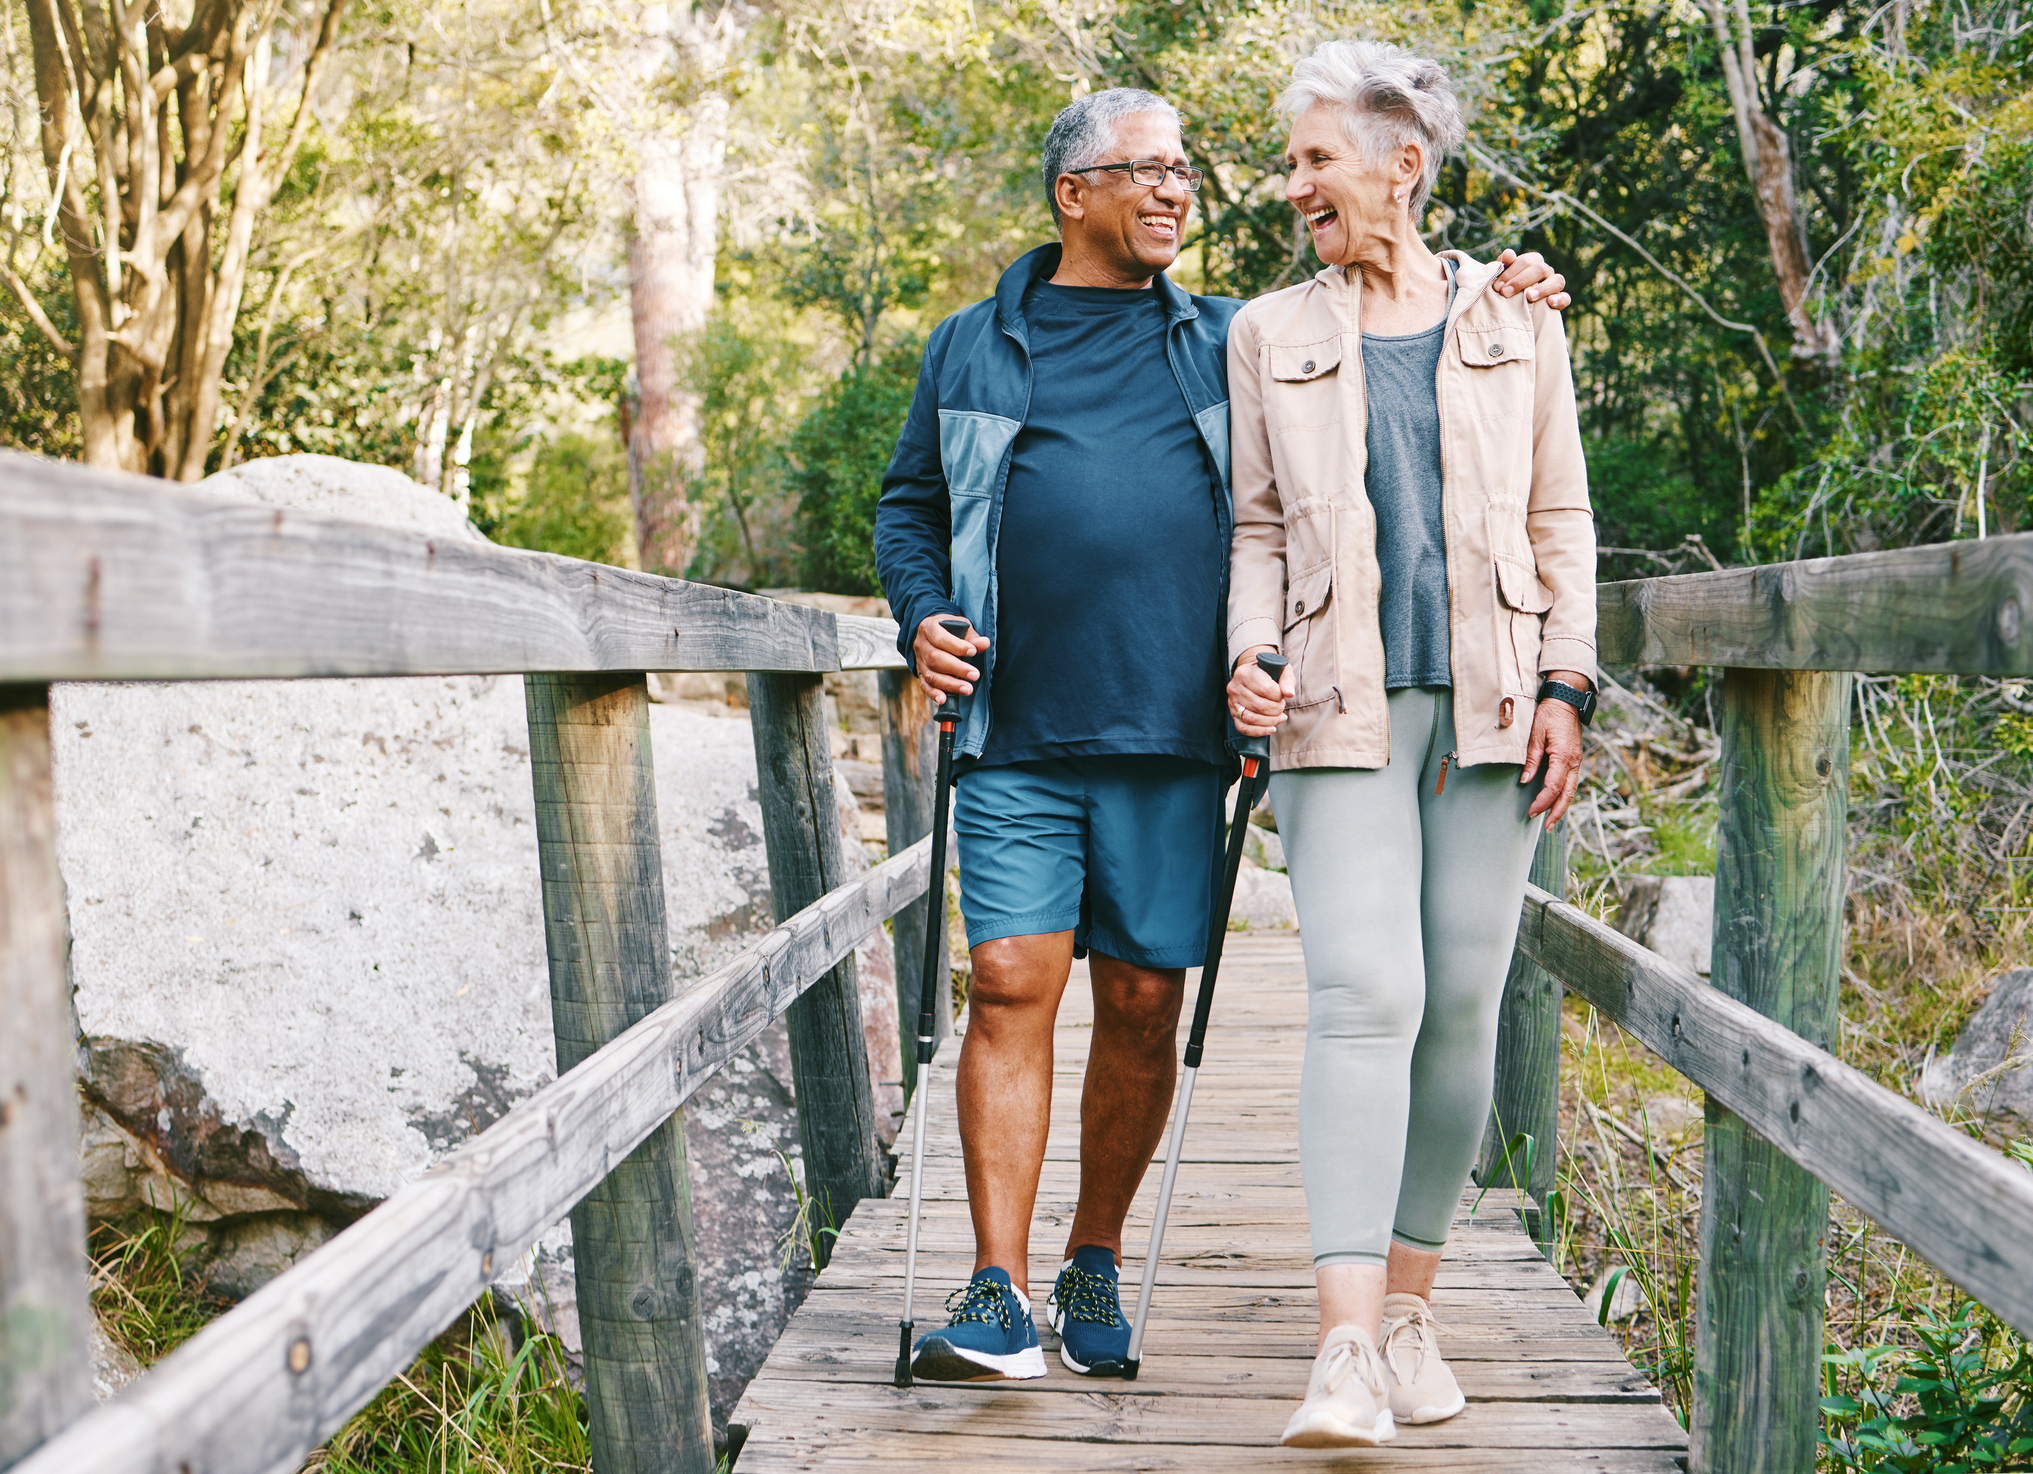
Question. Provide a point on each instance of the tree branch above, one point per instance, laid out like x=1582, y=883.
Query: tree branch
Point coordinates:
x=37, y=316
x=1568, y=202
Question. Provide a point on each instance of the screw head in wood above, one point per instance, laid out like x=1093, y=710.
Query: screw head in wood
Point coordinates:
x=300, y=1355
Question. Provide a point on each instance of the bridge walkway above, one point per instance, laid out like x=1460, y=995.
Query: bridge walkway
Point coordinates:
x=1231, y=1336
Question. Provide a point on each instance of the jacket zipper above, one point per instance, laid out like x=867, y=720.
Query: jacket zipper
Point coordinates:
x=1445, y=758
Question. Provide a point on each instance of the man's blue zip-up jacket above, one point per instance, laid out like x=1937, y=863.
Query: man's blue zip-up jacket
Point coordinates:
x=941, y=507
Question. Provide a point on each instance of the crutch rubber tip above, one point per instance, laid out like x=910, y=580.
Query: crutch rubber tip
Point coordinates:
x=903, y=1354
x=1129, y=1369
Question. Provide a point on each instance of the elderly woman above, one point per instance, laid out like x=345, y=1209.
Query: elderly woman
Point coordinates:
x=1412, y=530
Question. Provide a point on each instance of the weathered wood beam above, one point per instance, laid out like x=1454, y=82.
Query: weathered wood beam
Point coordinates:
x=1957, y=1204
x=111, y=577
x=910, y=771
x=867, y=644
x=1526, y=1097
x=608, y=938
x=829, y=1050
x=259, y=1388
x=45, y=1346
x=1964, y=607
x=1778, y=947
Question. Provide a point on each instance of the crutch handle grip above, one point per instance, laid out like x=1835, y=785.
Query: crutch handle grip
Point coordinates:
x=1273, y=665
x=951, y=710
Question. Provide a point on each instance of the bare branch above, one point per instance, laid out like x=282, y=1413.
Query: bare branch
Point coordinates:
x=1568, y=202
x=37, y=316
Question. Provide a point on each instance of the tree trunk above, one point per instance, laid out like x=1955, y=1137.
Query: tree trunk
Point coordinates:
x=1768, y=159
x=671, y=252
x=155, y=309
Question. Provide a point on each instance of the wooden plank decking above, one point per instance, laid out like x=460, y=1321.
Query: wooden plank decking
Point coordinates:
x=1232, y=1325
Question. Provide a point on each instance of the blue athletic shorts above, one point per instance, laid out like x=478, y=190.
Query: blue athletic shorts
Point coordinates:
x=1121, y=851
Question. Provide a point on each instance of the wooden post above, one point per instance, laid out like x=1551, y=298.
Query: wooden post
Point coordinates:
x=610, y=960
x=910, y=764
x=829, y=1053
x=45, y=1344
x=1527, y=1094
x=1778, y=940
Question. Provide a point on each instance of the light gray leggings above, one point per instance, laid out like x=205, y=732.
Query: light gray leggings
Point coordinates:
x=1408, y=910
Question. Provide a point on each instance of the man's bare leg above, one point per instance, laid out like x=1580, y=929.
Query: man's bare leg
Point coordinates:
x=1005, y=1090
x=1131, y=1069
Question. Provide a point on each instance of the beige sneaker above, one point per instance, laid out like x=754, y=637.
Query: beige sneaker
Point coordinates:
x=1422, y=1390
x=1346, y=1405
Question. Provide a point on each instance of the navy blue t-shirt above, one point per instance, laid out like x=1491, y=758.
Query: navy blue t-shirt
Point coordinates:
x=1109, y=557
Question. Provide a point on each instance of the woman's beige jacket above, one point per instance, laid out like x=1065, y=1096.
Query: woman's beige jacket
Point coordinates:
x=1514, y=501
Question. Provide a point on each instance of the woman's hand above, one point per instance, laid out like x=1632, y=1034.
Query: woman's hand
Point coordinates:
x=942, y=659
x=1531, y=275
x=1255, y=701
x=1556, y=738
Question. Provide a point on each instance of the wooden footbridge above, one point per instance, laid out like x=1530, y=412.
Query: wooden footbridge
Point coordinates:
x=106, y=577
x=1231, y=1335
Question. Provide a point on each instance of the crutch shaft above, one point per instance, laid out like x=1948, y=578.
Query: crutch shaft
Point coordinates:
x=1173, y=1150
x=928, y=1002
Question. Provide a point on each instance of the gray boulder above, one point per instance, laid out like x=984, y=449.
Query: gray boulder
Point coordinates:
x=1263, y=901
x=308, y=948
x=1674, y=915
x=1989, y=1073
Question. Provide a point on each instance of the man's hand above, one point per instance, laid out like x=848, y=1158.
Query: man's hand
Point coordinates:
x=1556, y=737
x=1255, y=701
x=942, y=659
x=1531, y=275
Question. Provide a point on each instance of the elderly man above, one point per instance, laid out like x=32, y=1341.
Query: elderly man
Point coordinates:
x=1062, y=484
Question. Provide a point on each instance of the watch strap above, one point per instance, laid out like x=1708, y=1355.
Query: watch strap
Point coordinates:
x=1583, y=702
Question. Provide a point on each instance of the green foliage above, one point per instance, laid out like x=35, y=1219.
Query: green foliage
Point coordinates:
x=837, y=457
x=573, y=501
x=753, y=374
x=470, y=1405
x=38, y=390
x=1961, y=1401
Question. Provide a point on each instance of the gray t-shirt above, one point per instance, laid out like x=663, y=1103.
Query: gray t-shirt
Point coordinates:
x=1399, y=379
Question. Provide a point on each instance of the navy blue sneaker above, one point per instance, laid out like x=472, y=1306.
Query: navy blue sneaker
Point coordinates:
x=1087, y=1313
x=990, y=1337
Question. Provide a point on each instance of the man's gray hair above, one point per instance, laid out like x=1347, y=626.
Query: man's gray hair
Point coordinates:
x=1387, y=97
x=1083, y=134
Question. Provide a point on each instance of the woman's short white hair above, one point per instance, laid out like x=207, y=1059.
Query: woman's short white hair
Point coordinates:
x=1387, y=97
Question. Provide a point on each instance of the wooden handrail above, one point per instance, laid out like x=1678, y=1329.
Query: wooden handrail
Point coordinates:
x=1960, y=1206
x=260, y=1387
x=113, y=577
x=1963, y=608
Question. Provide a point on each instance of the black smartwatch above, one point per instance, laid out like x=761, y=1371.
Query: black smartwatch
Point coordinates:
x=1581, y=701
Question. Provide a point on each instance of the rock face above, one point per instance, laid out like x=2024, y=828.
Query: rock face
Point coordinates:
x=1989, y=1074
x=1263, y=900
x=308, y=947
x=1674, y=915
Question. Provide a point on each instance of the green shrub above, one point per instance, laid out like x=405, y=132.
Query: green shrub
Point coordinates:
x=575, y=501
x=1961, y=1401
x=837, y=457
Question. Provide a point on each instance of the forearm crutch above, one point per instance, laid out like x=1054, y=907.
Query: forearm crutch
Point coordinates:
x=928, y=1001
x=1255, y=753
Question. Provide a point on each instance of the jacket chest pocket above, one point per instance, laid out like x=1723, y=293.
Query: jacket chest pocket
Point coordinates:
x=1305, y=384
x=1308, y=627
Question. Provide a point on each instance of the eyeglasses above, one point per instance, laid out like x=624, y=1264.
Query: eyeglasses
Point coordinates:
x=1149, y=173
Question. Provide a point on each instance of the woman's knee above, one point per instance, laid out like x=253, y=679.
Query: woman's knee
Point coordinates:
x=1367, y=1003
